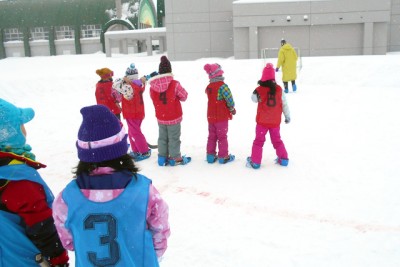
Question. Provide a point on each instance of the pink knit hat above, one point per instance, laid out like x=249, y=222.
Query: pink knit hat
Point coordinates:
x=268, y=73
x=213, y=70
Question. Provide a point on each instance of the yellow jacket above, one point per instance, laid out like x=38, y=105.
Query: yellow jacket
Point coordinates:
x=287, y=59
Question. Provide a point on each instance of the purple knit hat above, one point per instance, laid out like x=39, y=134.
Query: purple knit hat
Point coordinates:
x=101, y=136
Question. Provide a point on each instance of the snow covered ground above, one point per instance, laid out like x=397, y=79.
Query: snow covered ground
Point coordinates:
x=335, y=205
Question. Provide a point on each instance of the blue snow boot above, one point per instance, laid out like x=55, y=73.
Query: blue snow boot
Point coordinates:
x=286, y=91
x=211, y=158
x=143, y=156
x=251, y=164
x=162, y=161
x=227, y=159
x=180, y=161
x=282, y=162
x=294, y=87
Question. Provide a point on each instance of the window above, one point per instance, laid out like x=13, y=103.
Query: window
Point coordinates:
x=13, y=34
x=91, y=30
x=64, y=32
x=39, y=33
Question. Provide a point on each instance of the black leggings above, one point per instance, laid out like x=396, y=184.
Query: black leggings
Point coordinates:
x=286, y=84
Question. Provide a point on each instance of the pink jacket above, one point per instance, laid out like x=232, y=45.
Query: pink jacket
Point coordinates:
x=157, y=216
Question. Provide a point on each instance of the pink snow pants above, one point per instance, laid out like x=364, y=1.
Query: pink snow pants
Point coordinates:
x=136, y=137
x=258, y=143
x=218, y=133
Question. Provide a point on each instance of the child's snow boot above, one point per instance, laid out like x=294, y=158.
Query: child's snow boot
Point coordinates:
x=251, y=164
x=227, y=159
x=211, y=158
x=142, y=156
x=282, y=162
x=179, y=161
x=162, y=161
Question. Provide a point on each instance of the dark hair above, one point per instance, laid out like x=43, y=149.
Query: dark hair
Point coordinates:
x=124, y=162
x=271, y=84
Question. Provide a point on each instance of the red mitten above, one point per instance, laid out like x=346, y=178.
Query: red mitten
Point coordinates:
x=60, y=261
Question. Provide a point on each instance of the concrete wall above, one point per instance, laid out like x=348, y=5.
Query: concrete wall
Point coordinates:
x=318, y=28
x=394, y=33
x=199, y=28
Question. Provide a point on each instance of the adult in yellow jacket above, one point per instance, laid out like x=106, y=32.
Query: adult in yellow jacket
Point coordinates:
x=287, y=59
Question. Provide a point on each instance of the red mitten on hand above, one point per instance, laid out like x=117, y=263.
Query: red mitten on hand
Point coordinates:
x=60, y=261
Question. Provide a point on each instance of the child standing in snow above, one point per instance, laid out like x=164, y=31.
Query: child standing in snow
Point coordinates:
x=133, y=112
x=110, y=214
x=105, y=94
x=28, y=233
x=167, y=95
x=220, y=109
x=271, y=103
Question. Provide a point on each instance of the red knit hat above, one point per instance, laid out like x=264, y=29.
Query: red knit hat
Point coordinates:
x=268, y=73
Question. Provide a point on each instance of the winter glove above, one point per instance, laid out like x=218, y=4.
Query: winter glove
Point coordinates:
x=60, y=261
x=277, y=69
x=287, y=120
x=233, y=111
x=151, y=75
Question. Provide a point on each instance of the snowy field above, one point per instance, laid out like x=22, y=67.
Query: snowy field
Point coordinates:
x=335, y=205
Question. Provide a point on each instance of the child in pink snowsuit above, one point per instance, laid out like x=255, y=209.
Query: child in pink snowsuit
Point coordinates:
x=271, y=104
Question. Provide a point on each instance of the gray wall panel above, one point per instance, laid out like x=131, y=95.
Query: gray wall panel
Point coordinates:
x=276, y=8
x=316, y=27
x=187, y=6
x=337, y=39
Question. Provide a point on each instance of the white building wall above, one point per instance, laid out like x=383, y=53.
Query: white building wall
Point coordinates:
x=197, y=29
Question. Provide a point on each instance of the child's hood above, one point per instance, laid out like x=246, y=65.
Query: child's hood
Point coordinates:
x=160, y=82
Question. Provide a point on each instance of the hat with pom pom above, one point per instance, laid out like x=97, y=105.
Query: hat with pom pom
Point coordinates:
x=11, y=119
x=213, y=70
x=165, y=66
x=268, y=73
x=101, y=136
x=105, y=73
x=132, y=72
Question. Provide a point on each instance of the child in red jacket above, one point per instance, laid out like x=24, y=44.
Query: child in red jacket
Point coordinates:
x=220, y=109
x=167, y=95
x=271, y=104
x=132, y=89
x=105, y=94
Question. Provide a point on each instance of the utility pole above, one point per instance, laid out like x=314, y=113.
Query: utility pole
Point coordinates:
x=118, y=7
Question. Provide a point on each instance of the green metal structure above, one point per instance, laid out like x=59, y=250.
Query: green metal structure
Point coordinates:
x=26, y=14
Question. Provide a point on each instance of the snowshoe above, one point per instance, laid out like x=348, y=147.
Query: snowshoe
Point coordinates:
x=180, y=161
x=162, y=161
x=227, y=159
x=282, y=162
x=140, y=156
x=211, y=158
x=251, y=164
